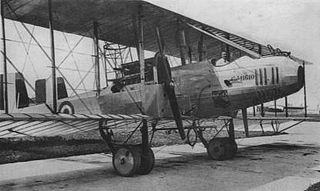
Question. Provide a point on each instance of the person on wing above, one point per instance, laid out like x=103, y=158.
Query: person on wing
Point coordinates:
x=223, y=60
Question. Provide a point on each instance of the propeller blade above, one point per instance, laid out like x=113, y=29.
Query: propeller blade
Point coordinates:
x=164, y=75
x=175, y=109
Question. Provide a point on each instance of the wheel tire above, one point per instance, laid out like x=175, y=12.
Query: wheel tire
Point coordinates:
x=234, y=147
x=147, y=162
x=222, y=148
x=126, y=161
x=217, y=149
x=231, y=148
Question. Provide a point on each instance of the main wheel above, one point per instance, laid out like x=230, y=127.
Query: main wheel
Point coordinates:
x=147, y=162
x=222, y=148
x=126, y=161
x=231, y=148
x=216, y=149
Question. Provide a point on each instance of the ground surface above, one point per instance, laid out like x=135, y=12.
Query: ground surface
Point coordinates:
x=285, y=162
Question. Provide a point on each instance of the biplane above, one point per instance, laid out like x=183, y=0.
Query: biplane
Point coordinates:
x=146, y=91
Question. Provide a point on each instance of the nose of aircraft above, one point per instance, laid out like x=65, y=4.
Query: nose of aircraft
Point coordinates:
x=294, y=74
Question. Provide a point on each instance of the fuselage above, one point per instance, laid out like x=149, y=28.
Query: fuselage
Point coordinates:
x=202, y=90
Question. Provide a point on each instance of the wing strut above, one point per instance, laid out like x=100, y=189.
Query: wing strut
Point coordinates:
x=245, y=121
x=304, y=90
x=182, y=43
x=96, y=52
x=224, y=40
x=141, y=45
x=5, y=76
x=53, y=61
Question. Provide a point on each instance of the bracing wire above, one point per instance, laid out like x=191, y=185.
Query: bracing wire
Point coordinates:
x=34, y=44
x=46, y=54
x=69, y=53
x=26, y=49
x=27, y=56
x=17, y=70
x=74, y=60
x=85, y=76
x=28, y=31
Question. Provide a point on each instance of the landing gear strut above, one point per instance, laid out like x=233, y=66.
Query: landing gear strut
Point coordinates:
x=128, y=159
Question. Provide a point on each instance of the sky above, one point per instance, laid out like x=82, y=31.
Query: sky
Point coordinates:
x=291, y=25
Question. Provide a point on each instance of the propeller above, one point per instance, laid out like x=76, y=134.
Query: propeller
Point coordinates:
x=164, y=76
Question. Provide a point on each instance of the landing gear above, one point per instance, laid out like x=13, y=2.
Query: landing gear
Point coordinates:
x=130, y=159
x=221, y=148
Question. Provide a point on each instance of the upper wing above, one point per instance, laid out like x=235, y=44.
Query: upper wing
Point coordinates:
x=31, y=124
x=116, y=18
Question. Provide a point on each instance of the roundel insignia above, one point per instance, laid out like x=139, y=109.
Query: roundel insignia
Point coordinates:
x=66, y=107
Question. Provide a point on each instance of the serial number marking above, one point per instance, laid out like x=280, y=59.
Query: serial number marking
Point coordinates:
x=242, y=77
